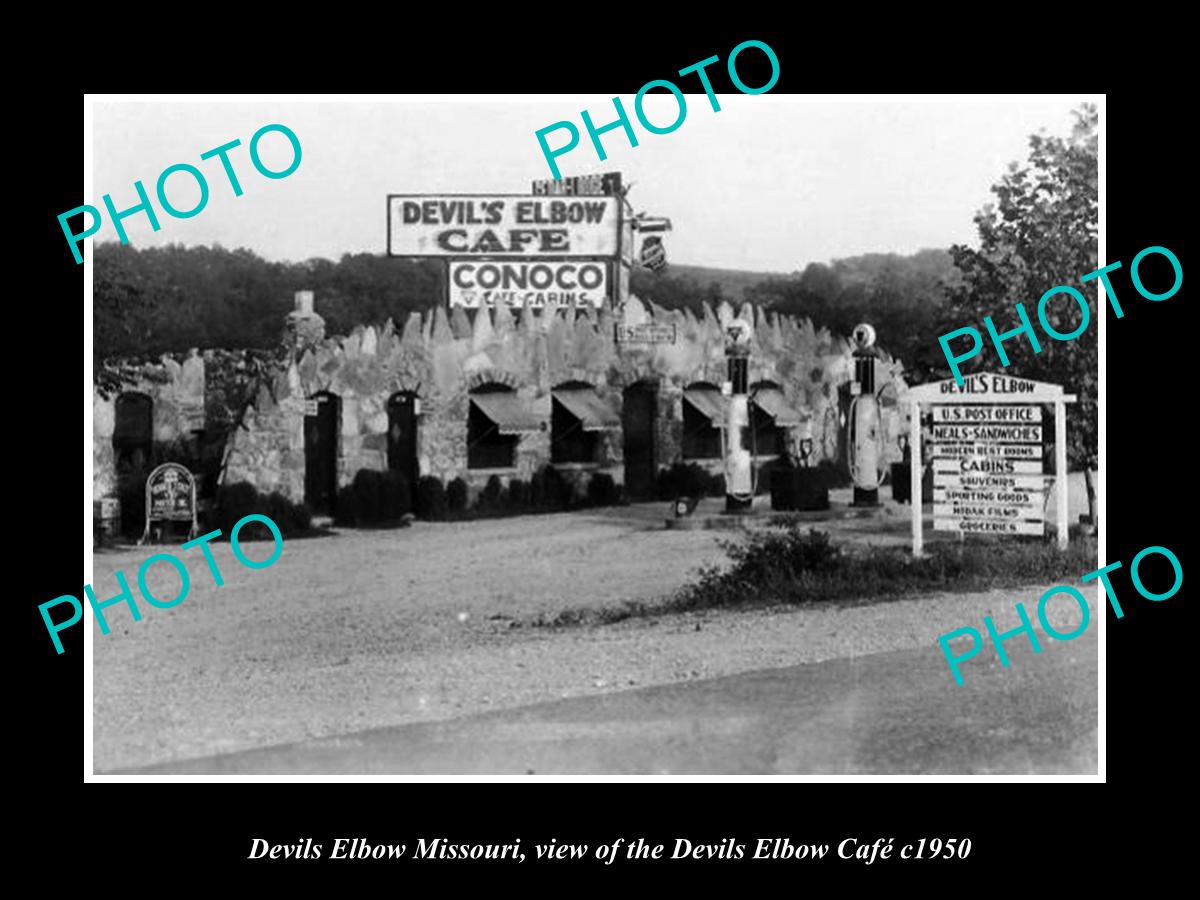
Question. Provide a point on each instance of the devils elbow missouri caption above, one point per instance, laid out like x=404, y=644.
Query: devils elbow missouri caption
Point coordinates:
x=863, y=851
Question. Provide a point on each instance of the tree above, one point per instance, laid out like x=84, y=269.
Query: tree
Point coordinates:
x=121, y=306
x=902, y=296
x=1039, y=234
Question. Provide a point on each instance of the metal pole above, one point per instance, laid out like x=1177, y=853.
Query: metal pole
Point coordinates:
x=915, y=467
x=1060, y=469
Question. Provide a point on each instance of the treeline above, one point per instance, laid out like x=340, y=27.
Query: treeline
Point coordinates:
x=904, y=297
x=173, y=298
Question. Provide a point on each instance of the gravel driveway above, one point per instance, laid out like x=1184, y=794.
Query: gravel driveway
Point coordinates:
x=364, y=629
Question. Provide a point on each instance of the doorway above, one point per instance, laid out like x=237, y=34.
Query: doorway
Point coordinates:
x=321, y=453
x=402, y=436
x=639, y=417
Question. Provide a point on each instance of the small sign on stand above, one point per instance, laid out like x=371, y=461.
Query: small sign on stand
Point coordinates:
x=645, y=333
x=171, y=497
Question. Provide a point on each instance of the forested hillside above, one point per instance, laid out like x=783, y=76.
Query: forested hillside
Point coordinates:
x=174, y=298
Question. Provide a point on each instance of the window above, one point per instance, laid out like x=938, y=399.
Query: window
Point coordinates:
x=765, y=437
x=495, y=422
x=770, y=417
x=577, y=419
x=133, y=431
x=704, y=414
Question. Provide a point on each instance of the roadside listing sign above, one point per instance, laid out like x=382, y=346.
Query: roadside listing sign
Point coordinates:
x=536, y=284
x=171, y=497
x=608, y=184
x=987, y=455
x=645, y=333
x=503, y=225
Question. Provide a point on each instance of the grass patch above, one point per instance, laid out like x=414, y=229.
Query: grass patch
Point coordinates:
x=790, y=566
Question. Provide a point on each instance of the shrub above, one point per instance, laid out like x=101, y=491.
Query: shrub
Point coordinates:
x=345, y=509
x=240, y=499
x=518, y=494
x=688, y=480
x=556, y=491
x=792, y=566
x=234, y=501
x=456, y=497
x=602, y=490
x=292, y=518
x=397, y=496
x=664, y=485
x=830, y=475
x=537, y=490
x=368, y=489
x=374, y=498
x=430, y=502
x=716, y=485
x=491, y=498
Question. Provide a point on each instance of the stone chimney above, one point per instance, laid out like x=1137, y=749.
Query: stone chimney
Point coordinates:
x=304, y=328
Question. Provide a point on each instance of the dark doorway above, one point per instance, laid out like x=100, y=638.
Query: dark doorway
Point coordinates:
x=321, y=453
x=639, y=414
x=402, y=435
x=133, y=431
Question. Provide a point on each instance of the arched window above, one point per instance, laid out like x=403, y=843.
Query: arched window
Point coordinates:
x=705, y=411
x=133, y=431
x=495, y=422
x=770, y=417
x=578, y=417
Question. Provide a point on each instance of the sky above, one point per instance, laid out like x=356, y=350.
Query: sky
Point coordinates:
x=769, y=183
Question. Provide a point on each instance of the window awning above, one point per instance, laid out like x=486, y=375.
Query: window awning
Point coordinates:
x=585, y=405
x=508, y=411
x=774, y=404
x=711, y=403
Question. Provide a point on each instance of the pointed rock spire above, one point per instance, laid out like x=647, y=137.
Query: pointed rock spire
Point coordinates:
x=442, y=333
x=412, y=336
x=482, y=334
x=460, y=324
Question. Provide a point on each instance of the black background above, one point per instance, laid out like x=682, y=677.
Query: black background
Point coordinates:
x=201, y=835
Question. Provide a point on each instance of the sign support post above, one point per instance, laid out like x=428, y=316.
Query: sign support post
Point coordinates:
x=1060, y=470
x=916, y=470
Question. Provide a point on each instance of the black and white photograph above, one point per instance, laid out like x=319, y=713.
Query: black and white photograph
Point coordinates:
x=461, y=436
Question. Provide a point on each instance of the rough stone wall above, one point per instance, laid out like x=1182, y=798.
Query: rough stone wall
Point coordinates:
x=440, y=356
x=175, y=386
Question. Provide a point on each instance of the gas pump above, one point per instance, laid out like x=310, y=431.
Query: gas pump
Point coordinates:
x=864, y=421
x=739, y=479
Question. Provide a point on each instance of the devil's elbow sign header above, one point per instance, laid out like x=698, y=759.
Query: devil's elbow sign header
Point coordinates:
x=503, y=225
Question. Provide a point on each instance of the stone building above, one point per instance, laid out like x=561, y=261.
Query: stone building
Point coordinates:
x=497, y=392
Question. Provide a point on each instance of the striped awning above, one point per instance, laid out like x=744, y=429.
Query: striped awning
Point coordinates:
x=774, y=404
x=585, y=405
x=508, y=411
x=710, y=403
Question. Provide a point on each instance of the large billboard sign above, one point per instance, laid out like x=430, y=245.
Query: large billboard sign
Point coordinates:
x=503, y=225
x=987, y=450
